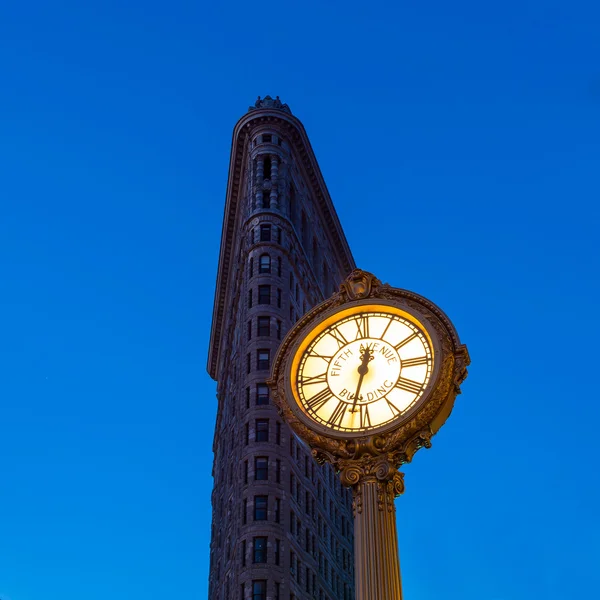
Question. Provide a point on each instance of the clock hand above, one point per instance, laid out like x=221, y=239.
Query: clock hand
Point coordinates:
x=363, y=369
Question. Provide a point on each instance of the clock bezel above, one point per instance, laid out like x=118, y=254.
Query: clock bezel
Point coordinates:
x=316, y=326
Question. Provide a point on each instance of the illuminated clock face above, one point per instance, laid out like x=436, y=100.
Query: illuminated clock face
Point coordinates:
x=364, y=371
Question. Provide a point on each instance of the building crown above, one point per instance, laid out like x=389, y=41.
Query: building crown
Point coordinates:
x=268, y=102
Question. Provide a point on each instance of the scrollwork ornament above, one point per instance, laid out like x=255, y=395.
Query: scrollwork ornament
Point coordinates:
x=351, y=474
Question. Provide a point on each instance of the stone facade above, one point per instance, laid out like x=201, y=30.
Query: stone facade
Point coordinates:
x=282, y=525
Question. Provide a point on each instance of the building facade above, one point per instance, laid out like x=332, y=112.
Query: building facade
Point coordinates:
x=282, y=525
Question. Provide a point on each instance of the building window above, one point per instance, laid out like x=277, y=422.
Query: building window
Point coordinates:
x=277, y=510
x=260, y=508
x=291, y=281
x=264, y=265
x=247, y=427
x=279, y=235
x=278, y=590
x=244, y=511
x=261, y=468
x=245, y=471
x=278, y=329
x=265, y=233
x=263, y=359
x=250, y=298
x=243, y=553
x=247, y=397
x=251, y=267
x=250, y=329
x=262, y=430
x=304, y=232
x=278, y=298
x=264, y=294
x=278, y=433
x=277, y=551
x=259, y=589
x=267, y=138
x=279, y=266
x=278, y=471
x=263, y=326
x=260, y=550
x=262, y=394
x=248, y=363
x=267, y=166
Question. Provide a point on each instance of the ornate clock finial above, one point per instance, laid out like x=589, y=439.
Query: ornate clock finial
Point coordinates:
x=359, y=284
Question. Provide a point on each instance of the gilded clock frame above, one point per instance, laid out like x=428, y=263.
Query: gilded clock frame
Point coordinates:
x=393, y=443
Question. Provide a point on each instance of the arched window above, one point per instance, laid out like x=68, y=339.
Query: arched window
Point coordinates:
x=265, y=264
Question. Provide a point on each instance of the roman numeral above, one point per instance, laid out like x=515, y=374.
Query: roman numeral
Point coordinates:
x=408, y=385
x=321, y=378
x=322, y=356
x=413, y=362
x=386, y=328
x=393, y=407
x=338, y=414
x=365, y=419
x=337, y=335
x=362, y=324
x=405, y=341
x=320, y=399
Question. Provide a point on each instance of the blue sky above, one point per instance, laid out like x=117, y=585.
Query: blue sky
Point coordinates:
x=461, y=145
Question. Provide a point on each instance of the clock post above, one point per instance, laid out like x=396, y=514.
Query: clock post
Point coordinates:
x=375, y=484
x=366, y=378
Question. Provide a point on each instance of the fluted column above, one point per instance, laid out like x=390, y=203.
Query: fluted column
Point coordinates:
x=375, y=483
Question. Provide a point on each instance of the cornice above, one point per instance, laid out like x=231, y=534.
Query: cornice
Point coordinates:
x=300, y=145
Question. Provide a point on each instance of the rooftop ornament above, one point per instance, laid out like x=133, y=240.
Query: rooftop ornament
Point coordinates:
x=268, y=102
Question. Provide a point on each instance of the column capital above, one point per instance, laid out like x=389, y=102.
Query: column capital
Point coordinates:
x=380, y=471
